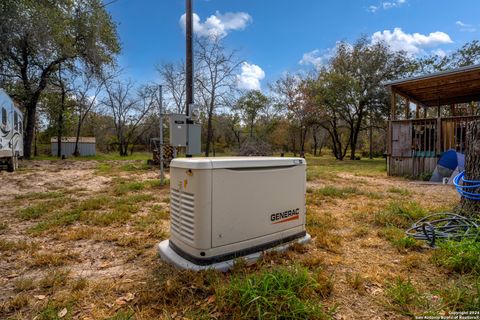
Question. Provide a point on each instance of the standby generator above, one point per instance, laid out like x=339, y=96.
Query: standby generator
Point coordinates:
x=222, y=209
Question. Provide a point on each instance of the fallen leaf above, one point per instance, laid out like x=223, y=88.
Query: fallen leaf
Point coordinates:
x=211, y=299
x=40, y=297
x=123, y=300
x=129, y=296
x=120, y=301
x=62, y=313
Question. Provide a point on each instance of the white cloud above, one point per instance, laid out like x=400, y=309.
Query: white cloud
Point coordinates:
x=411, y=43
x=317, y=57
x=439, y=52
x=218, y=25
x=465, y=26
x=250, y=77
x=385, y=5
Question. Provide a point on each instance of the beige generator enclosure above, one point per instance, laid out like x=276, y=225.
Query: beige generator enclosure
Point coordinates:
x=225, y=208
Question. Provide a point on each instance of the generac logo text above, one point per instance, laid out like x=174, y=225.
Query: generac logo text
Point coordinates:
x=285, y=216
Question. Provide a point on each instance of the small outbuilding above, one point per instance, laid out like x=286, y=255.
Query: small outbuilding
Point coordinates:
x=428, y=117
x=86, y=146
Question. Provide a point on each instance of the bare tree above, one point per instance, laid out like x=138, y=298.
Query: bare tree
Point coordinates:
x=128, y=112
x=87, y=87
x=215, y=79
x=173, y=77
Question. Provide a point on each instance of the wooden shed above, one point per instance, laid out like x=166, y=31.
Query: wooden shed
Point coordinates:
x=428, y=116
x=86, y=146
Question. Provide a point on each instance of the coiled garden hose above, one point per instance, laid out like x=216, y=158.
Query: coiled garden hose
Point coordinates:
x=443, y=226
x=468, y=189
x=449, y=225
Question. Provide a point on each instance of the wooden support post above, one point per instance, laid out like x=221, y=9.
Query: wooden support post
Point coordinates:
x=438, y=132
x=393, y=105
x=407, y=108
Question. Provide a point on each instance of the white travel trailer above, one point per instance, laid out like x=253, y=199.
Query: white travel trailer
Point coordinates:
x=11, y=132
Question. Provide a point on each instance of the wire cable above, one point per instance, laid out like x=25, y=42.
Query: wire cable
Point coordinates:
x=443, y=226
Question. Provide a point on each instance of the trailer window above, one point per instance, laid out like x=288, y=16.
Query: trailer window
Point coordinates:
x=4, y=116
x=15, y=120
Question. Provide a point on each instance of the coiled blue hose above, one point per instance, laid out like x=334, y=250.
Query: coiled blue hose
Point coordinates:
x=467, y=188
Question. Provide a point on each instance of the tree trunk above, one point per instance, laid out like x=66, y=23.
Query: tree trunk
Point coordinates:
x=370, y=137
x=209, y=134
x=315, y=141
x=27, y=142
x=76, y=152
x=60, y=124
x=472, y=168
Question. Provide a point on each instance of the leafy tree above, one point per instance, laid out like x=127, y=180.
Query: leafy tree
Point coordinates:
x=290, y=94
x=353, y=86
x=468, y=54
x=38, y=36
x=250, y=106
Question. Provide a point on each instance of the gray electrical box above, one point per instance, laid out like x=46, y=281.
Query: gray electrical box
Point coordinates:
x=194, y=139
x=178, y=130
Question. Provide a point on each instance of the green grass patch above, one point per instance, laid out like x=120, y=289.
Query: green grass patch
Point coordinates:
x=104, y=168
x=462, y=295
x=122, y=187
x=337, y=192
x=400, y=191
x=120, y=214
x=282, y=293
x=95, y=203
x=14, y=246
x=39, y=195
x=398, y=239
x=327, y=167
x=122, y=315
x=144, y=156
x=405, y=297
x=58, y=219
x=400, y=214
x=135, y=166
x=459, y=256
x=33, y=212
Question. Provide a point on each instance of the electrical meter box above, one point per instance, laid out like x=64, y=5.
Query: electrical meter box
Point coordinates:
x=194, y=139
x=178, y=130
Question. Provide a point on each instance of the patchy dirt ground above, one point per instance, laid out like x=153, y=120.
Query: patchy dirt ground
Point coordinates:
x=78, y=241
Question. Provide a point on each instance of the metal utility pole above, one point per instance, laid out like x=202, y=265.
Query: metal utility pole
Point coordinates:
x=189, y=57
x=189, y=61
x=160, y=106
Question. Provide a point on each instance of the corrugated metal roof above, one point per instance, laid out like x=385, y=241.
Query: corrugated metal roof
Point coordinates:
x=73, y=139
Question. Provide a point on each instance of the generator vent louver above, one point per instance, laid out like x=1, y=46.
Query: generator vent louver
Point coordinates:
x=182, y=212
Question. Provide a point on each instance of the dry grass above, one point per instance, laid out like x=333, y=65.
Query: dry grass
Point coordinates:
x=90, y=246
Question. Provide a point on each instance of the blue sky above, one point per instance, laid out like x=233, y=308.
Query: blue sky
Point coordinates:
x=274, y=36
